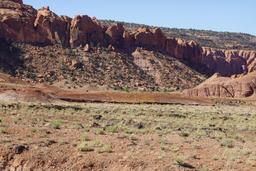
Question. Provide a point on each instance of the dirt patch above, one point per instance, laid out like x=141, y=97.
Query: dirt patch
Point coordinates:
x=47, y=93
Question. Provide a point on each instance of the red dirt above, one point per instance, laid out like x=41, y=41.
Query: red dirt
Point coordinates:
x=46, y=93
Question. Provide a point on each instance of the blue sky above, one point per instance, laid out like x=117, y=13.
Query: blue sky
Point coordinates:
x=218, y=15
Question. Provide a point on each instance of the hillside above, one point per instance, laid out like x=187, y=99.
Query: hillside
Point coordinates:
x=101, y=67
x=39, y=46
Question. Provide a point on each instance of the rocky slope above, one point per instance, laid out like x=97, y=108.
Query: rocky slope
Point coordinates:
x=104, y=68
x=142, y=57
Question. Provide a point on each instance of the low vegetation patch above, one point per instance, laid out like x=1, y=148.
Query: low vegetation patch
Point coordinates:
x=154, y=132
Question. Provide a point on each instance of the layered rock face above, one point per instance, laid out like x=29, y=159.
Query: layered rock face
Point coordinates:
x=151, y=39
x=22, y=23
x=129, y=41
x=233, y=87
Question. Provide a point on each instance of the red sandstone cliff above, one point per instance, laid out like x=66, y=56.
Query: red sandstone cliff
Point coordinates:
x=22, y=23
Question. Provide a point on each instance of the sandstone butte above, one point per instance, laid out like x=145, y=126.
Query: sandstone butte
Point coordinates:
x=235, y=68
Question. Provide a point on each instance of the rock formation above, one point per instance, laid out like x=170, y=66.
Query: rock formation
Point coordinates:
x=229, y=62
x=22, y=23
x=129, y=41
x=115, y=32
x=17, y=22
x=85, y=30
x=185, y=50
x=54, y=28
x=151, y=39
x=218, y=86
x=225, y=62
x=236, y=74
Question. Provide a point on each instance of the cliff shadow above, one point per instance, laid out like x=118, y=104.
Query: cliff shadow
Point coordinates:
x=10, y=57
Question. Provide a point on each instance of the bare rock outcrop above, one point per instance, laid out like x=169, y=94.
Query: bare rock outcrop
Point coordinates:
x=129, y=41
x=17, y=22
x=115, y=32
x=185, y=50
x=53, y=27
x=233, y=87
x=235, y=74
x=85, y=30
x=150, y=38
x=226, y=63
x=229, y=62
x=22, y=23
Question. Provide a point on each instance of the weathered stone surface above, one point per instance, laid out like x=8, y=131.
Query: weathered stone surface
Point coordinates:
x=17, y=22
x=22, y=23
x=235, y=76
x=185, y=50
x=233, y=87
x=115, y=32
x=53, y=27
x=160, y=39
x=150, y=38
x=170, y=47
x=129, y=41
x=226, y=63
x=229, y=62
x=85, y=30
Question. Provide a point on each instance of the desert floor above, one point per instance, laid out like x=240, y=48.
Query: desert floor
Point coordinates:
x=101, y=136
